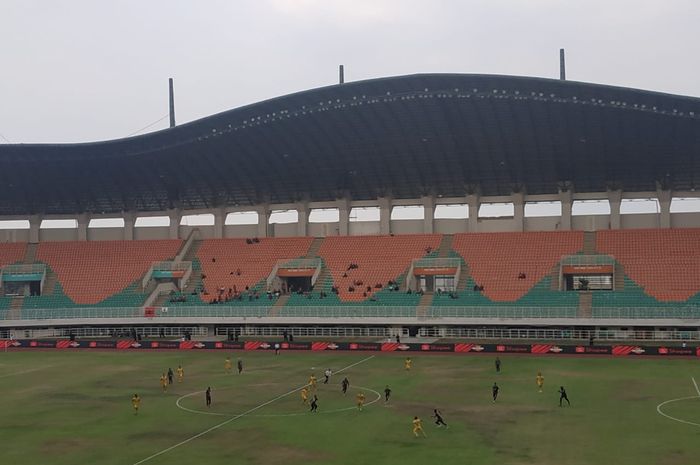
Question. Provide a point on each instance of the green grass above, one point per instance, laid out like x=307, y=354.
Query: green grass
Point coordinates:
x=74, y=407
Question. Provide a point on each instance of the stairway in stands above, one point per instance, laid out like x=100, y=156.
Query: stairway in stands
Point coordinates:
x=443, y=251
x=585, y=304
x=589, y=241
x=311, y=253
x=585, y=298
x=15, y=310
x=30, y=253
x=314, y=247
x=619, y=279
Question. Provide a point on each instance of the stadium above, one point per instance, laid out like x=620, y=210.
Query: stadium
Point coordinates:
x=352, y=226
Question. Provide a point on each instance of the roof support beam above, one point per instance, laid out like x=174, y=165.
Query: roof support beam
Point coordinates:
x=615, y=199
x=384, y=215
x=566, y=199
x=473, y=203
x=428, y=213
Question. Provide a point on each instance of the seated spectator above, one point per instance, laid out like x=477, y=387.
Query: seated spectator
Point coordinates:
x=351, y=289
x=408, y=291
x=248, y=241
x=521, y=275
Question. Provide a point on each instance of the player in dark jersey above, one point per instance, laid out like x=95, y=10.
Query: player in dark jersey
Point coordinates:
x=438, y=418
x=207, y=395
x=240, y=366
x=345, y=384
x=494, y=391
x=498, y=365
x=314, y=404
x=563, y=396
x=387, y=394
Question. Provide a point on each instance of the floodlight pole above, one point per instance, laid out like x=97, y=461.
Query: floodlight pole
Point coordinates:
x=562, y=65
x=172, y=102
x=341, y=74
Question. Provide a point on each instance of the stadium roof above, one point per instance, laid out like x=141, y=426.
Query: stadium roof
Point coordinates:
x=408, y=136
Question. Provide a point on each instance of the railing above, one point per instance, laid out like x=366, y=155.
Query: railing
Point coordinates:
x=34, y=268
x=114, y=331
x=451, y=262
x=171, y=266
x=584, y=260
x=300, y=263
x=431, y=313
x=302, y=331
x=557, y=334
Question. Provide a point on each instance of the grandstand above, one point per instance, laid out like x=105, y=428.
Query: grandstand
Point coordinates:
x=421, y=141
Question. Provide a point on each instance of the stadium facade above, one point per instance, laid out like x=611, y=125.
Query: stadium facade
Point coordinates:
x=419, y=140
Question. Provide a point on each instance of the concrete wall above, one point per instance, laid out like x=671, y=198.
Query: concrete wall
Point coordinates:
x=105, y=234
x=241, y=230
x=323, y=229
x=14, y=235
x=407, y=226
x=640, y=221
x=542, y=223
x=152, y=233
x=284, y=230
x=448, y=226
x=497, y=225
x=590, y=223
x=363, y=228
x=53, y=235
x=685, y=220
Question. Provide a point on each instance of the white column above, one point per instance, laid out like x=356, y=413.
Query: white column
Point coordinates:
x=303, y=218
x=83, y=222
x=343, y=216
x=263, y=219
x=174, y=229
x=664, y=197
x=615, y=199
x=428, y=214
x=384, y=215
x=473, y=203
x=566, y=199
x=34, y=225
x=129, y=222
x=518, y=199
x=219, y=222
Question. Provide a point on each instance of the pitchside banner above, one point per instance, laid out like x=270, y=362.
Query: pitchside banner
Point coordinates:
x=463, y=348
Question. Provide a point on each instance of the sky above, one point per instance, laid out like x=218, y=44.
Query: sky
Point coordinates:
x=87, y=70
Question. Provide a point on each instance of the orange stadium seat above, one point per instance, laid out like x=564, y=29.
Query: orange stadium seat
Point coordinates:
x=12, y=253
x=495, y=260
x=379, y=259
x=222, y=258
x=92, y=271
x=664, y=262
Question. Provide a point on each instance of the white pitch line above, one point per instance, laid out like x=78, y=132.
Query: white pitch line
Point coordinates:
x=224, y=423
x=24, y=372
x=679, y=420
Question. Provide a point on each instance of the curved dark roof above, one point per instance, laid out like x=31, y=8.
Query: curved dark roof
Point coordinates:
x=401, y=136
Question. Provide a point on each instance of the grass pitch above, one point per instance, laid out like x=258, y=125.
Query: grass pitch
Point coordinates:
x=75, y=408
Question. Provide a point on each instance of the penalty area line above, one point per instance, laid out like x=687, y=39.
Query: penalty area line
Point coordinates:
x=247, y=412
x=696, y=386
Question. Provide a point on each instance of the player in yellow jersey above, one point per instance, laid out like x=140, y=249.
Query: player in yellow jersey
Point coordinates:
x=136, y=403
x=180, y=374
x=540, y=381
x=407, y=363
x=304, y=396
x=312, y=382
x=418, y=427
x=164, y=382
x=228, y=366
x=360, y=400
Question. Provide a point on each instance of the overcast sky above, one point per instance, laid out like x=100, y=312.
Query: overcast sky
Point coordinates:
x=88, y=70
